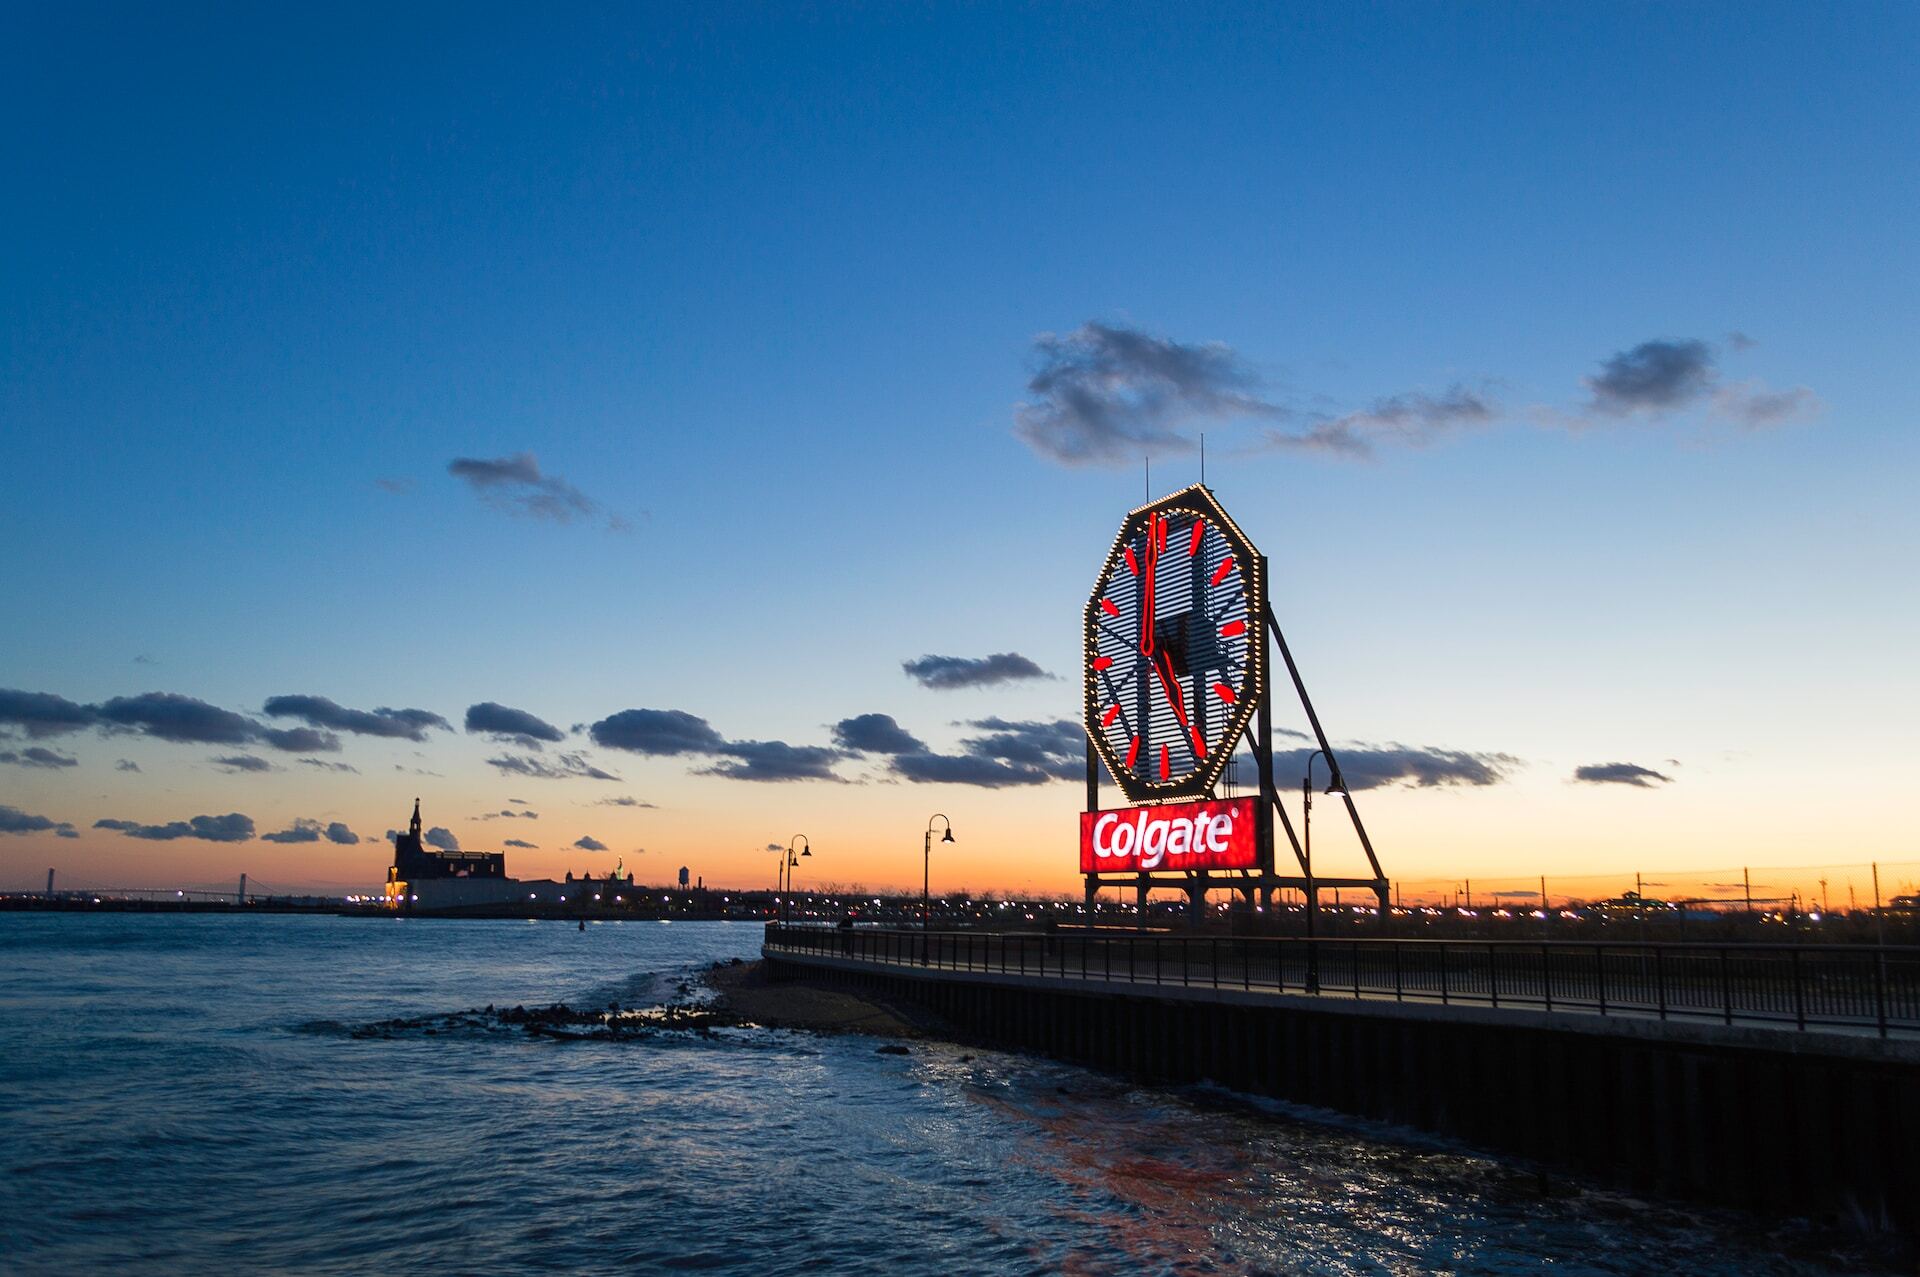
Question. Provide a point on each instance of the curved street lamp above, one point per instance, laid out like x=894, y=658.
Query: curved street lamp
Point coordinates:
x=792, y=862
x=926, y=876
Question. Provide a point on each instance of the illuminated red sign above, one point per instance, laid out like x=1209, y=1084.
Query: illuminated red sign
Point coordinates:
x=1206, y=835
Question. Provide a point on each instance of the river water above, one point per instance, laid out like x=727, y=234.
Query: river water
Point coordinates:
x=186, y=1094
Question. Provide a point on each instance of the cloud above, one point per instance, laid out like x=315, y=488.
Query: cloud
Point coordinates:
x=657, y=732
x=1654, y=377
x=15, y=821
x=327, y=766
x=442, y=838
x=1752, y=405
x=507, y=813
x=875, y=734
x=42, y=714
x=232, y=827
x=1669, y=375
x=521, y=842
x=1412, y=419
x=511, y=726
x=126, y=765
x=1620, y=774
x=237, y=763
x=774, y=760
x=38, y=756
x=515, y=486
x=397, y=487
x=1106, y=394
x=1004, y=755
x=1378, y=766
x=587, y=842
x=314, y=831
x=319, y=711
x=622, y=801
x=169, y=716
x=945, y=673
x=560, y=767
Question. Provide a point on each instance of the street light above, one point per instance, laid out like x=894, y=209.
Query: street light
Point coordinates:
x=792, y=862
x=926, y=875
x=1306, y=855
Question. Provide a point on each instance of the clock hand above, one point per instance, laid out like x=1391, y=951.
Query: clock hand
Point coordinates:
x=1146, y=592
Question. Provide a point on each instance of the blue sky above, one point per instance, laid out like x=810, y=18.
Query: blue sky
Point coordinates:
x=764, y=285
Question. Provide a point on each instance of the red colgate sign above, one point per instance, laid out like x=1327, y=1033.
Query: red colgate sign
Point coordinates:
x=1205, y=835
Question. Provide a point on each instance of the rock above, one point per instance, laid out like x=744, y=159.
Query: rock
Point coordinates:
x=892, y=1048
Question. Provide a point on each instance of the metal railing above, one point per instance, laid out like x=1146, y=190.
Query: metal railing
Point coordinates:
x=1861, y=988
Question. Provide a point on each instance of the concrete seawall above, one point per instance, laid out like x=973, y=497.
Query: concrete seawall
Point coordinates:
x=1815, y=1124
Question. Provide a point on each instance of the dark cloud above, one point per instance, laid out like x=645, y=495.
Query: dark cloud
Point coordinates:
x=774, y=760
x=398, y=487
x=507, y=813
x=232, y=827
x=587, y=842
x=299, y=831
x=320, y=712
x=511, y=726
x=38, y=756
x=42, y=714
x=1106, y=394
x=442, y=838
x=242, y=763
x=1378, y=766
x=1412, y=419
x=516, y=486
x=15, y=821
x=521, y=842
x=327, y=766
x=1620, y=774
x=339, y=833
x=622, y=801
x=875, y=734
x=945, y=673
x=559, y=767
x=300, y=740
x=169, y=716
x=657, y=732
x=1003, y=755
x=126, y=765
x=1654, y=377
x=775, y=846
x=672, y=733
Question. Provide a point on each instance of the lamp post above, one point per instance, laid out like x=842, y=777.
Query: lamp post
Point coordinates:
x=1334, y=786
x=792, y=862
x=926, y=878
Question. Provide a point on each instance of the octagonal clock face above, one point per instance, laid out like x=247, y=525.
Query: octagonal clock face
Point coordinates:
x=1174, y=650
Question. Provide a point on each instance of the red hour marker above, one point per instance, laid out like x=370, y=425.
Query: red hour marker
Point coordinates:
x=1133, y=564
x=1102, y=662
x=1199, y=745
x=1224, y=692
x=1106, y=605
x=1166, y=765
x=1193, y=542
x=1113, y=712
x=1162, y=525
x=1233, y=629
x=1133, y=753
x=1220, y=573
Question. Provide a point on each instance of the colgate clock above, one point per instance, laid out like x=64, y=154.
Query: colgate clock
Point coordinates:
x=1175, y=665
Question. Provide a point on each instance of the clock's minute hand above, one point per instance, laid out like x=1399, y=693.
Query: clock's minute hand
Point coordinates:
x=1146, y=589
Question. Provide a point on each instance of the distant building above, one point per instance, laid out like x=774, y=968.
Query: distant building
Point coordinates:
x=414, y=861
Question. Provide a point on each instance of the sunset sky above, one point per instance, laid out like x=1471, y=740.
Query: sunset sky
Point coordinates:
x=601, y=416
